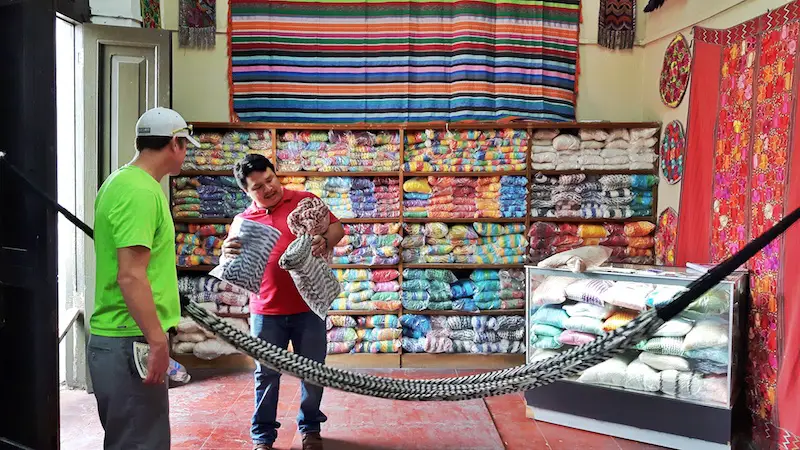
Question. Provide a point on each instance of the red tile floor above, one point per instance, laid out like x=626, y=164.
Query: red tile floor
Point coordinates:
x=213, y=412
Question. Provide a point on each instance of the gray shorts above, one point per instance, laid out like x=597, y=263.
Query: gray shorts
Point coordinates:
x=134, y=415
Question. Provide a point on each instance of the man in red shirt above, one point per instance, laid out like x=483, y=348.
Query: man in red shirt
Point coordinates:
x=278, y=313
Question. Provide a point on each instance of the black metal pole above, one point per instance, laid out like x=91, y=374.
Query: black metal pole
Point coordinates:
x=29, y=380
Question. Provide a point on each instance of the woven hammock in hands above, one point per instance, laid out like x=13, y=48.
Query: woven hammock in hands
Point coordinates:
x=314, y=280
x=499, y=382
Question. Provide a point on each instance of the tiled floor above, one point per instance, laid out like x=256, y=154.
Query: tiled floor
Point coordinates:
x=213, y=412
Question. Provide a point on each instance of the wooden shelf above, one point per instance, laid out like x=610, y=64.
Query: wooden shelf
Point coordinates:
x=593, y=172
x=490, y=312
x=210, y=173
x=371, y=220
x=355, y=312
x=463, y=266
x=234, y=315
x=579, y=220
x=497, y=173
x=339, y=174
x=205, y=221
x=464, y=220
x=461, y=360
x=203, y=268
x=465, y=125
x=363, y=266
x=364, y=360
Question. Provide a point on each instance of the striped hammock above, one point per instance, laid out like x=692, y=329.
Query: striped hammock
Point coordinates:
x=391, y=61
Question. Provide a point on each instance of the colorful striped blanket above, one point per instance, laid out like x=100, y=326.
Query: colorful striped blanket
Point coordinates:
x=394, y=61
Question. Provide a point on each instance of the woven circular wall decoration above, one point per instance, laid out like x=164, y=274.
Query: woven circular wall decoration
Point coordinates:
x=675, y=71
x=673, y=144
x=666, y=233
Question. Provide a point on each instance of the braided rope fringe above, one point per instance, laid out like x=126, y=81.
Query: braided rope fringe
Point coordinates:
x=498, y=382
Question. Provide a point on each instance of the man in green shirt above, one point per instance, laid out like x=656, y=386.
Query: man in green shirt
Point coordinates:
x=136, y=296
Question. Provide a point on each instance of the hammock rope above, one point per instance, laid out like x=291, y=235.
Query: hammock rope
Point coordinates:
x=494, y=383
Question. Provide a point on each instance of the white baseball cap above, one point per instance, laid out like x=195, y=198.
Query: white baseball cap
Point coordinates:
x=164, y=122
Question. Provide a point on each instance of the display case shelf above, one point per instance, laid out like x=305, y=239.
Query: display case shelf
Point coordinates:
x=678, y=389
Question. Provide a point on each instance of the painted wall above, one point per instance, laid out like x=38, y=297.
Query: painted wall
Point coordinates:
x=661, y=26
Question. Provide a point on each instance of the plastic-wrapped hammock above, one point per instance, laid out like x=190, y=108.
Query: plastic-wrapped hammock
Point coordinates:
x=499, y=382
x=314, y=279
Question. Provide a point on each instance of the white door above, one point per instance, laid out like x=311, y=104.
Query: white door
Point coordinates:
x=126, y=71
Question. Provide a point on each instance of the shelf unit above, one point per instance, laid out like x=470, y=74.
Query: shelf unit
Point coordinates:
x=401, y=359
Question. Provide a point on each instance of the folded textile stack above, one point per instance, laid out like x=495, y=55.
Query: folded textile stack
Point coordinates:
x=631, y=243
x=387, y=197
x=222, y=297
x=618, y=149
x=440, y=203
x=294, y=183
x=543, y=154
x=626, y=196
x=568, y=152
x=465, y=151
x=207, y=197
x=499, y=244
x=415, y=331
x=412, y=243
x=488, y=191
x=436, y=248
x=542, y=190
x=387, y=287
x=464, y=198
x=338, y=151
x=416, y=198
x=463, y=334
x=462, y=238
x=221, y=151
x=372, y=244
x=378, y=334
x=193, y=339
x=591, y=196
x=428, y=289
x=336, y=195
x=494, y=290
x=362, y=196
x=197, y=245
x=341, y=334
x=359, y=293
x=513, y=196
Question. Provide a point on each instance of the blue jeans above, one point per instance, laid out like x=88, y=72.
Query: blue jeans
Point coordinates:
x=307, y=333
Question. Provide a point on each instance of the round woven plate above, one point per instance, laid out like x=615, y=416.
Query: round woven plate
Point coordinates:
x=675, y=71
x=673, y=144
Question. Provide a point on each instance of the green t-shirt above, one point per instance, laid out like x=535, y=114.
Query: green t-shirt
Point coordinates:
x=131, y=210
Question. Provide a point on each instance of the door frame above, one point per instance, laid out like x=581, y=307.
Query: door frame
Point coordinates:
x=89, y=130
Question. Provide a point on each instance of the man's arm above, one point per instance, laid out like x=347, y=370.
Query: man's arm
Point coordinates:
x=135, y=288
x=324, y=243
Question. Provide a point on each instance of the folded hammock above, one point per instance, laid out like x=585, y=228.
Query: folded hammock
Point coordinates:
x=314, y=280
x=498, y=382
x=247, y=269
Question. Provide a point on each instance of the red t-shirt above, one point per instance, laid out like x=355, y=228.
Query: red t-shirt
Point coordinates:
x=278, y=294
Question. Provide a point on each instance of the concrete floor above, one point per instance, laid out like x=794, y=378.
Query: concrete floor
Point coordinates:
x=213, y=412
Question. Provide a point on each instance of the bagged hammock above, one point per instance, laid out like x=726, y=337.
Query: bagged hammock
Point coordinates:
x=314, y=280
x=247, y=270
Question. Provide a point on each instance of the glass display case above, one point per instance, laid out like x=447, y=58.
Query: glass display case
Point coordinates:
x=677, y=389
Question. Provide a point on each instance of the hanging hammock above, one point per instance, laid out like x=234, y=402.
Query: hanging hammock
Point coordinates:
x=499, y=382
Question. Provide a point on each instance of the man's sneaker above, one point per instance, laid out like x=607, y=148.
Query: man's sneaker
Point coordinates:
x=312, y=441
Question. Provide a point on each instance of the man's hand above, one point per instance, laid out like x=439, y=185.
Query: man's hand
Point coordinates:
x=231, y=247
x=157, y=362
x=319, y=246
